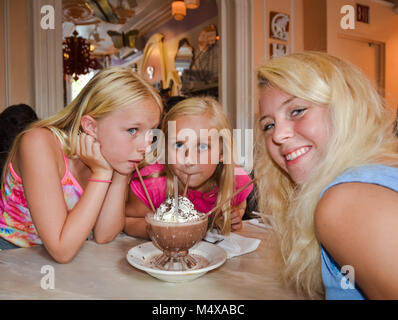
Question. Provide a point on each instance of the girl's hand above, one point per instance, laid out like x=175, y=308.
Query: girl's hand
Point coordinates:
x=236, y=218
x=89, y=151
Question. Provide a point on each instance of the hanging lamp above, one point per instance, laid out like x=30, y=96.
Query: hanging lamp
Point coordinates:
x=178, y=10
x=192, y=4
x=77, y=56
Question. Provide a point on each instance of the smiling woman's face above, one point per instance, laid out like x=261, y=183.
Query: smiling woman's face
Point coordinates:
x=296, y=131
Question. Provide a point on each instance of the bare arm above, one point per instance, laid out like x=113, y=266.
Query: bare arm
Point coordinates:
x=135, y=216
x=62, y=233
x=112, y=217
x=357, y=223
x=237, y=213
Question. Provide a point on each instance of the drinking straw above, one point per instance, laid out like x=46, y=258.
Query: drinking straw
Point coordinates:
x=233, y=195
x=145, y=189
x=186, y=186
x=176, y=195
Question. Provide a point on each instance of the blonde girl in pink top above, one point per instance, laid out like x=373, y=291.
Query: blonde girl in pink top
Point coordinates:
x=67, y=175
x=200, y=146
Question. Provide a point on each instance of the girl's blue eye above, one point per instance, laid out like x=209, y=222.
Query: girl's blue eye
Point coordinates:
x=178, y=145
x=132, y=130
x=268, y=126
x=203, y=146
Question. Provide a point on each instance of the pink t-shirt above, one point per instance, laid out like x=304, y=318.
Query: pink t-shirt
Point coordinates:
x=203, y=202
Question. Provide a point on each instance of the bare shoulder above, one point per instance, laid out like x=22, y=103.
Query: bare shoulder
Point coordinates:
x=38, y=137
x=355, y=195
x=357, y=223
x=39, y=146
x=38, y=142
x=349, y=204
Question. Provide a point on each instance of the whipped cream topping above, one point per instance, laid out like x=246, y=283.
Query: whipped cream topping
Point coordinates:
x=186, y=211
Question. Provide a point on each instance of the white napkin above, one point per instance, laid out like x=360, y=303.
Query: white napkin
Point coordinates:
x=259, y=223
x=234, y=244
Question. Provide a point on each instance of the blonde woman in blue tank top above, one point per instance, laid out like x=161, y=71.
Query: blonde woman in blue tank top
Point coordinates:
x=325, y=143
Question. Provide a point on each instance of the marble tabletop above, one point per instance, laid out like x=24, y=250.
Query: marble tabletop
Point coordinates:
x=101, y=271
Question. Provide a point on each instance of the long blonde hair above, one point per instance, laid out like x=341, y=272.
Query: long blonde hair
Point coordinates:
x=108, y=90
x=362, y=133
x=224, y=174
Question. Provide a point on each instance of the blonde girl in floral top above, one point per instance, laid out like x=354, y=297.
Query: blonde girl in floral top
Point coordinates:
x=68, y=175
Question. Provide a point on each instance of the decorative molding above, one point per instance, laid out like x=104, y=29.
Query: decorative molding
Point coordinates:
x=47, y=61
x=279, y=26
x=154, y=20
x=244, y=65
x=236, y=83
x=244, y=80
x=227, y=60
x=78, y=12
x=150, y=18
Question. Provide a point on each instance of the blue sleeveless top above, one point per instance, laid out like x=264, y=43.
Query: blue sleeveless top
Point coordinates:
x=337, y=288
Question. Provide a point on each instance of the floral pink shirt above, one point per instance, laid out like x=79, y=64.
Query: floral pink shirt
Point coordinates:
x=16, y=224
x=203, y=202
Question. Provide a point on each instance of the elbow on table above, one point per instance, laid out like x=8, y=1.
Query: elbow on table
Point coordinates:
x=62, y=257
x=104, y=239
x=101, y=236
x=136, y=227
x=62, y=254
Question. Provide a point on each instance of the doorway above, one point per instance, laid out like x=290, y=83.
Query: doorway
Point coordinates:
x=369, y=56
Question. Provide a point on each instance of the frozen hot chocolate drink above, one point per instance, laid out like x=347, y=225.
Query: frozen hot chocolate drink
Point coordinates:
x=186, y=211
x=175, y=228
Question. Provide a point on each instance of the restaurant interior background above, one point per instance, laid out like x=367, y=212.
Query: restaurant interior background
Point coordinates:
x=213, y=49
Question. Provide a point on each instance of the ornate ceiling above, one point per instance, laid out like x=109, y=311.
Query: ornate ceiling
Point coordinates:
x=94, y=18
x=77, y=12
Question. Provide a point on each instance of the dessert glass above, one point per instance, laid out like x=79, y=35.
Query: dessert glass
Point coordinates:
x=175, y=239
